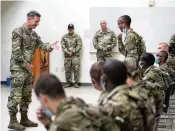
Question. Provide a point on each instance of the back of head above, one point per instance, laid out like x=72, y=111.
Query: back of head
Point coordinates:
x=96, y=69
x=116, y=72
x=148, y=58
x=127, y=19
x=49, y=85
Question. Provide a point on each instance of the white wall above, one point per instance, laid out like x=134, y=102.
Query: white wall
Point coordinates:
x=56, y=15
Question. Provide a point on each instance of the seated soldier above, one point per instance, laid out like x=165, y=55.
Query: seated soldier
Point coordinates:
x=95, y=73
x=161, y=58
x=152, y=73
x=70, y=114
x=119, y=100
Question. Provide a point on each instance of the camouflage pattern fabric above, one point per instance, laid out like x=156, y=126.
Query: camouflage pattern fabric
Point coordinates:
x=149, y=109
x=104, y=42
x=24, y=43
x=74, y=115
x=72, y=43
x=133, y=45
x=120, y=103
x=21, y=91
x=172, y=39
x=102, y=97
x=171, y=61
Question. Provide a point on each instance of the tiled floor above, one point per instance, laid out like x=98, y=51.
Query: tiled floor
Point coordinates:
x=89, y=94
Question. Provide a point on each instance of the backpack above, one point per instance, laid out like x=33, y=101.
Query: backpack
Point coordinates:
x=144, y=107
x=97, y=119
x=141, y=47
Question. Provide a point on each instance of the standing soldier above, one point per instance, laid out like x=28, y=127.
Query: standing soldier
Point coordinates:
x=104, y=41
x=24, y=42
x=130, y=44
x=71, y=45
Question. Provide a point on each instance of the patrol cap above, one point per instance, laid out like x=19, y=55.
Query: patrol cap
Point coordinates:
x=70, y=26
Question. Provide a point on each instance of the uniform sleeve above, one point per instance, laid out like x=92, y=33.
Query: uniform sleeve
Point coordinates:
x=113, y=41
x=121, y=47
x=95, y=42
x=16, y=49
x=63, y=44
x=42, y=45
x=78, y=45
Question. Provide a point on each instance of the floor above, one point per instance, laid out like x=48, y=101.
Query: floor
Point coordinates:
x=89, y=94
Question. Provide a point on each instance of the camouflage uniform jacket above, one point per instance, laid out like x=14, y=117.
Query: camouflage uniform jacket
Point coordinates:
x=71, y=43
x=75, y=115
x=24, y=43
x=171, y=62
x=154, y=75
x=129, y=48
x=123, y=103
x=104, y=42
x=102, y=97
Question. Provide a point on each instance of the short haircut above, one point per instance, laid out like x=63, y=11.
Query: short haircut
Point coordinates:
x=33, y=13
x=148, y=58
x=116, y=72
x=96, y=69
x=49, y=85
x=127, y=19
x=165, y=55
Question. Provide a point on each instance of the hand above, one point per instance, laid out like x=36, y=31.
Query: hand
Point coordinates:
x=120, y=37
x=55, y=45
x=42, y=117
x=29, y=67
x=69, y=54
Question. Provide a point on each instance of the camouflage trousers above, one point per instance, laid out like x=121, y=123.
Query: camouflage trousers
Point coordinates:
x=72, y=65
x=102, y=56
x=21, y=91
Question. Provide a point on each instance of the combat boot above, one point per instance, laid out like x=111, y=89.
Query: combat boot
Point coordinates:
x=26, y=122
x=68, y=84
x=76, y=85
x=14, y=124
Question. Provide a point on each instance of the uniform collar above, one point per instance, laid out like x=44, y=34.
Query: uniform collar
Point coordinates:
x=107, y=31
x=148, y=69
x=26, y=29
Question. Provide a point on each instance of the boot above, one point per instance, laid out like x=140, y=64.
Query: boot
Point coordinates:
x=68, y=84
x=14, y=124
x=26, y=122
x=76, y=85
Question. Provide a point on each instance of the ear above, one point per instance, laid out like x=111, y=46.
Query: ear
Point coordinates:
x=93, y=81
x=43, y=98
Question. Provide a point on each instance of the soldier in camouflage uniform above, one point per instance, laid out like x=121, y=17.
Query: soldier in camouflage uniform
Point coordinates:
x=141, y=88
x=171, y=58
x=104, y=41
x=71, y=114
x=95, y=73
x=24, y=43
x=130, y=44
x=71, y=45
x=120, y=100
x=161, y=59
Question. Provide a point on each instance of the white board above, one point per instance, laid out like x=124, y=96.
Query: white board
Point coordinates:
x=155, y=24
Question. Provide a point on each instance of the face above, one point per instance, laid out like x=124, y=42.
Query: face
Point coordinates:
x=45, y=102
x=160, y=57
x=71, y=31
x=121, y=24
x=103, y=24
x=33, y=22
x=163, y=47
